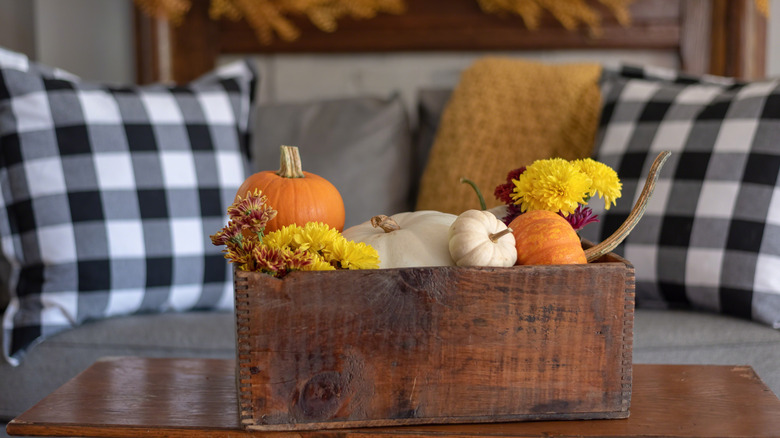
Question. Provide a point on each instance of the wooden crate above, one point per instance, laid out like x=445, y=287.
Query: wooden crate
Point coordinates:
x=323, y=350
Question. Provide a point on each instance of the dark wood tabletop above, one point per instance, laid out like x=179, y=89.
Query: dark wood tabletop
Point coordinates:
x=138, y=397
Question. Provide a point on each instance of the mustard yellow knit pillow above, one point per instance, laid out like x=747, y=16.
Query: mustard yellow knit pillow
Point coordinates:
x=506, y=113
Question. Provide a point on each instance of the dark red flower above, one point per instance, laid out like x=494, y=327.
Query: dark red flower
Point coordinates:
x=504, y=191
x=582, y=216
x=512, y=211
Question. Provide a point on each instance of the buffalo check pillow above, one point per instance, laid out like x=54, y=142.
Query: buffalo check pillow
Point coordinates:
x=109, y=195
x=710, y=238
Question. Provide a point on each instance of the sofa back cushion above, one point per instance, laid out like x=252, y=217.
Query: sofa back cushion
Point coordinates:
x=431, y=103
x=362, y=145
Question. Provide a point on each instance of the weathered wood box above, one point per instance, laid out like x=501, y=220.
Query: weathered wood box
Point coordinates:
x=322, y=350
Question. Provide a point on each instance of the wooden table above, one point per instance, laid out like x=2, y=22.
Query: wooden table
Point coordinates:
x=128, y=397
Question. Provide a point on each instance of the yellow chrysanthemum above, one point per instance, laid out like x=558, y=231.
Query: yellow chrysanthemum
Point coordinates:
x=315, y=237
x=605, y=181
x=282, y=237
x=354, y=255
x=318, y=264
x=553, y=184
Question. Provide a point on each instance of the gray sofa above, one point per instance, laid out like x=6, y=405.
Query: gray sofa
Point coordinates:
x=382, y=126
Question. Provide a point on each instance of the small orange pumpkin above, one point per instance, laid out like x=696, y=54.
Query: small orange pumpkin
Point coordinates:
x=545, y=238
x=297, y=196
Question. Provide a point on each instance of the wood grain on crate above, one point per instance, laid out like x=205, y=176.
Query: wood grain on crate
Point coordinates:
x=321, y=350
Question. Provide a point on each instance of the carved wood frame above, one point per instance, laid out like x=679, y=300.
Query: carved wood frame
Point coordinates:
x=722, y=37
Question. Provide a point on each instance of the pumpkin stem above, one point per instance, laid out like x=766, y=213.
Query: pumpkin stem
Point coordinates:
x=290, y=163
x=495, y=236
x=611, y=242
x=482, y=205
x=385, y=223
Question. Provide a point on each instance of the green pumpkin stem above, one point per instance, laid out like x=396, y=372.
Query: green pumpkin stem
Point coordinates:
x=482, y=205
x=290, y=163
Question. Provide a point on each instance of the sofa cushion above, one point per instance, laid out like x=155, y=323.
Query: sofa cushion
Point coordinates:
x=431, y=103
x=362, y=145
x=710, y=238
x=665, y=336
x=109, y=195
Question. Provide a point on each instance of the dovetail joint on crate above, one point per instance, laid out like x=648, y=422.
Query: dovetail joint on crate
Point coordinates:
x=243, y=348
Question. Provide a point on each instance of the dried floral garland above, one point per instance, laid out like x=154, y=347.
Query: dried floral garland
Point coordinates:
x=269, y=17
x=173, y=10
x=570, y=13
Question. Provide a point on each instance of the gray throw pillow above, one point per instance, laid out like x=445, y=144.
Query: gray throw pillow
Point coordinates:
x=361, y=144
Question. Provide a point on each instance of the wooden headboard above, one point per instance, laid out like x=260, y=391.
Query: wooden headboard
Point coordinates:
x=723, y=37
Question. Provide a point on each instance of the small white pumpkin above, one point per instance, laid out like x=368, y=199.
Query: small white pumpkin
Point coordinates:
x=410, y=239
x=479, y=238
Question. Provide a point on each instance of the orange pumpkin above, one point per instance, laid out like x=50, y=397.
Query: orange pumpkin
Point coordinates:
x=545, y=238
x=297, y=196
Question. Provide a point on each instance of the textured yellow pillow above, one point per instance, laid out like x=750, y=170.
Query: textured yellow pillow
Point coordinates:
x=506, y=113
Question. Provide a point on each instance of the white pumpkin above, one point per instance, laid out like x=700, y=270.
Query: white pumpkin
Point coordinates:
x=410, y=239
x=479, y=238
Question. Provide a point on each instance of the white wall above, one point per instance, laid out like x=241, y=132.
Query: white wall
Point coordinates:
x=93, y=38
x=16, y=26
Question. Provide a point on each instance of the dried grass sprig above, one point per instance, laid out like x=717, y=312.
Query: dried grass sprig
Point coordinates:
x=272, y=17
x=570, y=13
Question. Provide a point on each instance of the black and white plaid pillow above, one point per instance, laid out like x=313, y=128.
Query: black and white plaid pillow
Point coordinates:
x=109, y=195
x=710, y=238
